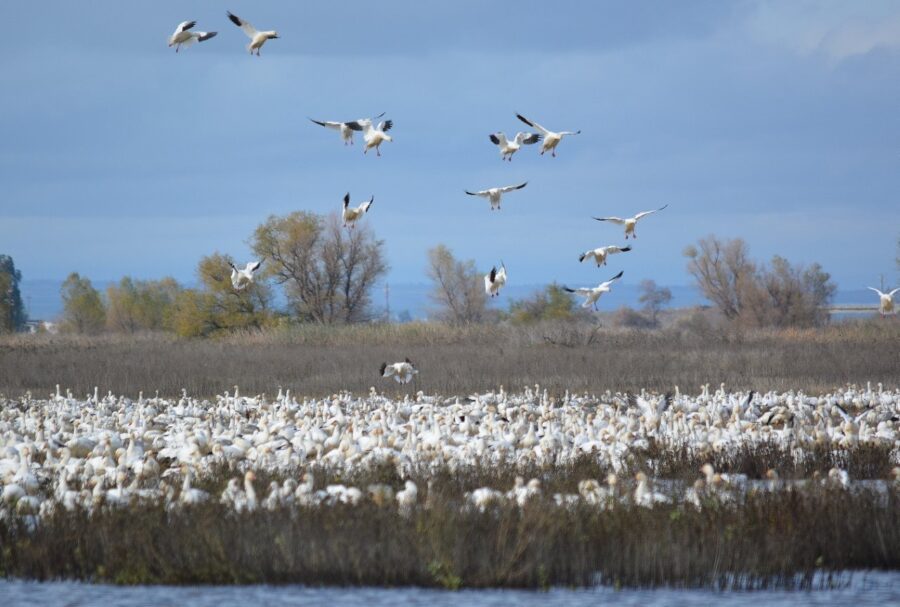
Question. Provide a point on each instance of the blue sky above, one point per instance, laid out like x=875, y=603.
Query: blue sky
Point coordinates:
x=776, y=122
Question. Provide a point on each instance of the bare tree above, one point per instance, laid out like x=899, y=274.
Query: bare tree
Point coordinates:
x=778, y=295
x=722, y=270
x=328, y=272
x=457, y=287
x=654, y=298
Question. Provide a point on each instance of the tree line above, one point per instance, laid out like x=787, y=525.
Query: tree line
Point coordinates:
x=327, y=275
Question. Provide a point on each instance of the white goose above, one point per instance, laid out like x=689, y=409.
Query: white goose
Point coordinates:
x=374, y=136
x=346, y=128
x=630, y=222
x=402, y=372
x=495, y=194
x=507, y=147
x=600, y=254
x=886, y=305
x=592, y=295
x=241, y=278
x=184, y=37
x=551, y=138
x=350, y=214
x=495, y=280
x=257, y=38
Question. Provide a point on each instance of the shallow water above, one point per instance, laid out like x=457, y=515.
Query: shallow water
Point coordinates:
x=861, y=589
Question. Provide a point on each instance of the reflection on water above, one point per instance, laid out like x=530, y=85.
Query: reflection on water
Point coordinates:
x=861, y=589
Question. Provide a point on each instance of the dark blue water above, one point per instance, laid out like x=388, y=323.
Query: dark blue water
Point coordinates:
x=861, y=590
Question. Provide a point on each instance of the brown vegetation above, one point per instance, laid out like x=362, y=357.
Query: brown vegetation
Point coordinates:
x=763, y=539
x=317, y=360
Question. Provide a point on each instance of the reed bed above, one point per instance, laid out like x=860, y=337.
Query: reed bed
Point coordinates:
x=763, y=539
x=313, y=360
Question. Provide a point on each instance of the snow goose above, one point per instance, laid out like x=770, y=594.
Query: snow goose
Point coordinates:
x=507, y=147
x=550, y=138
x=374, y=136
x=345, y=128
x=184, y=37
x=886, y=305
x=350, y=214
x=402, y=372
x=495, y=280
x=257, y=38
x=495, y=194
x=600, y=254
x=630, y=222
x=407, y=497
x=591, y=295
x=241, y=278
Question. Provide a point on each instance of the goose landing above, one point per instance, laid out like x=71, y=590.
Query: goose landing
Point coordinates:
x=242, y=278
x=630, y=222
x=184, y=37
x=494, y=195
x=351, y=215
x=592, y=295
x=494, y=280
x=257, y=38
x=346, y=129
x=401, y=372
x=551, y=139
x=886, y=303
x=508, y=148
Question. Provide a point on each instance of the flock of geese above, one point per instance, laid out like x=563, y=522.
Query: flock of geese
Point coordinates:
x=103, y=452
x=376, y=134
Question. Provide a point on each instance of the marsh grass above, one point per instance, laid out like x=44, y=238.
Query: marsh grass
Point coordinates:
x=778, y=539
x=314, y=360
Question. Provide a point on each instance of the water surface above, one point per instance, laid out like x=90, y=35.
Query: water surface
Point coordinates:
x=860, y=590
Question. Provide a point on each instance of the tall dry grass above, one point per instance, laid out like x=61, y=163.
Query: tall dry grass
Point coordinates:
x=765, y=539
x=316, y=360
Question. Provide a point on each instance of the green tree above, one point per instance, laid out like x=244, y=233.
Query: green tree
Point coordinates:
x=12, y=312
x=456, y=287
x=217, y=306
x=551, y=303
x=328, y=272
x=136, y=305
x=83, y=310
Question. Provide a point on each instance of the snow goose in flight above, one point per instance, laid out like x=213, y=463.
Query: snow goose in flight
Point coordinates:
x=630, y=222
x=592, y=295
x=241, y=278
x=508, y=148
x=257, y=38
x=346, y=128
x=551, y=139
x=402, y=372
x=886, y=306
x=495, y=280
x=184, y=37
x=602, y=253
x=353, y=214
x=495, y=194
x=374, y=136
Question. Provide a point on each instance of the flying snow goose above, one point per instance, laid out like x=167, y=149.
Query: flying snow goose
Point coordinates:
x=886, y=306
x=495, y=194
x=551, y=138
x=600, y=254
x=508, y=148
x=346, y=128
x=402, y=372
x=241, y=278
x=374, y=136
x=257, y=38
x=630, y=222
x=592, y=295
x=353, y=214
x=495, y=280
x=184, y=37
